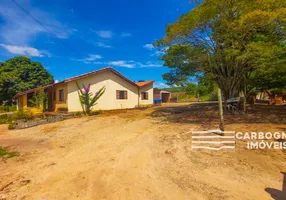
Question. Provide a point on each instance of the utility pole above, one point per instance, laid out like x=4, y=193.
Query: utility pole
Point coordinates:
x=221, y=121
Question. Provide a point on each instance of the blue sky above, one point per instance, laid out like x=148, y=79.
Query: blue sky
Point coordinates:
x=103, y=33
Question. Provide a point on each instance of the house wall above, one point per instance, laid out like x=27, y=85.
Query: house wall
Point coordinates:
x=23, y=105
x=147, y=88
x=57, y=104
x=108, y=100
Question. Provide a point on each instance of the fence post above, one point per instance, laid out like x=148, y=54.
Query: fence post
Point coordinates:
x=221, y=121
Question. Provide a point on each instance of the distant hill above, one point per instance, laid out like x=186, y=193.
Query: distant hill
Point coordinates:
x=174, y=89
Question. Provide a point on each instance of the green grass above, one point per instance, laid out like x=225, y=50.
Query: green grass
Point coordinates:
x=6, y=154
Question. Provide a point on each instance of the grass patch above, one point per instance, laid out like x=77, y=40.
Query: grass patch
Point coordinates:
x=6, y=154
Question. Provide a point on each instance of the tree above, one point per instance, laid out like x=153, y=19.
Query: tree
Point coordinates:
x=19, y=74
x=227, y=40
x=39, y=99
x=191, y=89
x=267, y=78
x=87, y=99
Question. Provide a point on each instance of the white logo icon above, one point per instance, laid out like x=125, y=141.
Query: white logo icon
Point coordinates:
x=213, y=140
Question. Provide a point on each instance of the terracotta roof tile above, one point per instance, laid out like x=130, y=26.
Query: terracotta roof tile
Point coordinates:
x=143, y=83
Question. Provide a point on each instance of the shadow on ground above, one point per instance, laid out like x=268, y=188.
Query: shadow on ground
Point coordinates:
x=278, y=194
x=207, y=113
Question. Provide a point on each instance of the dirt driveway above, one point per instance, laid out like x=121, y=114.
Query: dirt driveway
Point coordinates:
x=140, y=155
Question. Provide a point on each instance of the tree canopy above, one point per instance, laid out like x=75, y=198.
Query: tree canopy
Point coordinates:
x=19, y=74
x=231, y=41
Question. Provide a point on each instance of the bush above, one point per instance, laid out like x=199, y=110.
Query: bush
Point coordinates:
x=3, y=119
x=24, y=114
x=12, y=126
x=6, y=154
x=96, y=112
x=78, y=114
x=5, y=108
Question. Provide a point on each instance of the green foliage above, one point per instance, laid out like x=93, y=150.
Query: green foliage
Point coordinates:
x=87, y=99
x=78, y=114
x=267, y=78
x=19, y=74
x=182, y=60
x=6, y=154
x=5, y=118
x=98, y=112
x=23, y=114
x=39, y=98
x=7, y=108
x=12, y=125
x=174, y=89
x=206, y=86
x=192, y=89
x=228, y=41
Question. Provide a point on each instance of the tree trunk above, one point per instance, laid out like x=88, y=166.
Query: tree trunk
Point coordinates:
x=221, y=124
x=244, y=99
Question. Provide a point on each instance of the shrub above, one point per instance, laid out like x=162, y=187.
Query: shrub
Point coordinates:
x=78, y=114
x=12, y=126
x=98, y=112
x=6, y=154
x=6, y=108
x=24, y=114
x=87, y=99
x=3, y=119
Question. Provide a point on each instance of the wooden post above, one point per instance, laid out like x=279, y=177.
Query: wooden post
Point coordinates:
x=221, y=123
x=244, y=100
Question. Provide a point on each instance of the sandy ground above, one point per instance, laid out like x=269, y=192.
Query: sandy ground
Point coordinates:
x=141, y=154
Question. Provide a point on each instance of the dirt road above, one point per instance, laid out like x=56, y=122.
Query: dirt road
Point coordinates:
x=134, y=155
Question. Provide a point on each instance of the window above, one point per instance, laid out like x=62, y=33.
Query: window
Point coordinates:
x=121, y=94
x=61, y=95
x=144, y=95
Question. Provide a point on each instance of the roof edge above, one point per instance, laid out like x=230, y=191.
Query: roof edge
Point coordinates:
x=108, y=68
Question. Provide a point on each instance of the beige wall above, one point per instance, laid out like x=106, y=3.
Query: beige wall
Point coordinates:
x=57, y=103
x=108, y=100
x=147, y=88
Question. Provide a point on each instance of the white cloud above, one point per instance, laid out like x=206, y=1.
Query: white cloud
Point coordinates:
x=123, y=63
x=90, y=59
x=101, y=44
x=149, y=46
x=155, y=51
x=128, y=64
x=18, y=28
x=104, y=34
x=56, y=81
x=161, y=85
x=160, y=52
x=150, y=64
x=126, y=34
x=23, y=50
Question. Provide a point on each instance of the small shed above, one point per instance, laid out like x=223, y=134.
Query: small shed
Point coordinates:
x=162, y=95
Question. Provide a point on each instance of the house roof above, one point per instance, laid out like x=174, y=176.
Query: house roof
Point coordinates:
x=143, y=83
x=138, y=84
x=33, y=90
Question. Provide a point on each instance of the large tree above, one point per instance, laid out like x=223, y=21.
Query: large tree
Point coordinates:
x=19, y=74
x=228, y=40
